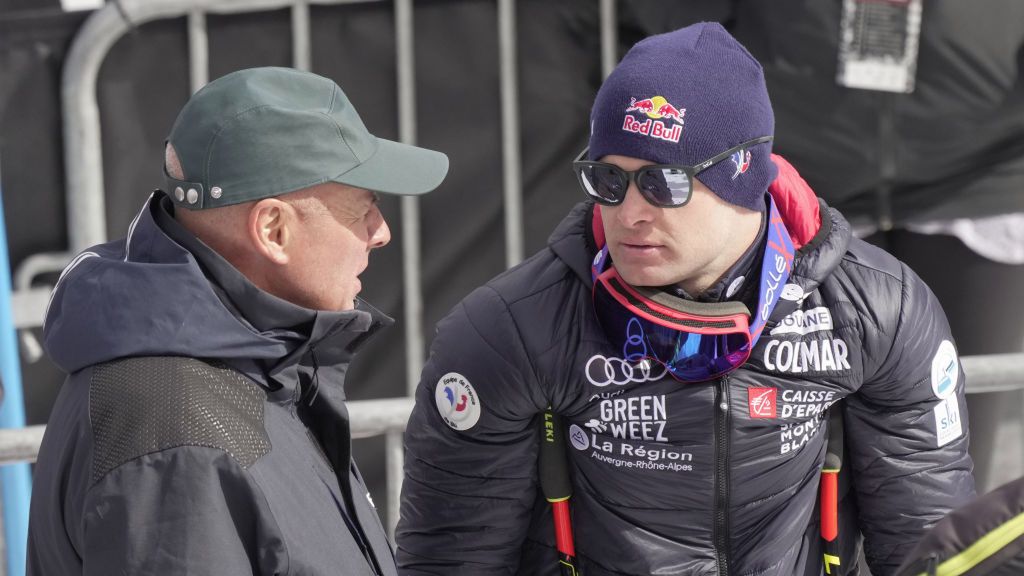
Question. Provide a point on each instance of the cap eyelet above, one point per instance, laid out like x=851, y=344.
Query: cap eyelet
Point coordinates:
x=216, y=192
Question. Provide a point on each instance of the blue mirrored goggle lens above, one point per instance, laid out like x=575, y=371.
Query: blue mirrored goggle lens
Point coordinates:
x=688, y=356
x=693, y=356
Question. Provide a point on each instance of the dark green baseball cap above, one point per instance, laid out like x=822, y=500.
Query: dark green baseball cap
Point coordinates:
x=264, y=132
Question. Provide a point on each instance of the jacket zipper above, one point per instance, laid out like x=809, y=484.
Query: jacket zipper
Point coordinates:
x=350, y=517
x=721, y=531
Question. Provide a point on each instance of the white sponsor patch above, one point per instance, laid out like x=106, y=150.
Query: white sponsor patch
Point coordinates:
x=634, y=418
x=805, y=322
x=825, y=355
x=945, y=371
x=793, y=293
x=578, y=438
x=947, y=421
x=457, y=401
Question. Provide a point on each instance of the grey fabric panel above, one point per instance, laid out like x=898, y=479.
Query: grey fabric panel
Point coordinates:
x=187, y=510
x=140, y=406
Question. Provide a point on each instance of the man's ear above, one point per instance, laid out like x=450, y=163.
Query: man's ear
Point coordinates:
x=269, y=227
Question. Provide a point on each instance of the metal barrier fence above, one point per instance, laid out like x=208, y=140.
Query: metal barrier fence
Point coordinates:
x=87, y=215
x=989, y=373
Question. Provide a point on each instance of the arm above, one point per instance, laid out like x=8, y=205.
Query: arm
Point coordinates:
x=907, y=427
x=186, y=510
x=469, y=492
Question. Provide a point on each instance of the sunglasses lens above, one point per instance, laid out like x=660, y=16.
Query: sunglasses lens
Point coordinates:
x=605, y=184
x=665, y=186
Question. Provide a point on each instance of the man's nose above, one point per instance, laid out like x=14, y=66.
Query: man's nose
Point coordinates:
x=380, y=235
x=635, y=209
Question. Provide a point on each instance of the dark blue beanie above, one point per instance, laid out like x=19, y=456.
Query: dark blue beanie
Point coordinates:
x=684, y=97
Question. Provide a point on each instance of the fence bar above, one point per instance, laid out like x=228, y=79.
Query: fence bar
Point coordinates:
x=20, y=444
x=609, y=37
x=302, y=49
x=198, y=50
x=370, y=418
x=395, y=455
x=510, y=137
x=994, y=372
x=412, y=281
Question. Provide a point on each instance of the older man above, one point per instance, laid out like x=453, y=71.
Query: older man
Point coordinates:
x=693, y=322
x=202, y=429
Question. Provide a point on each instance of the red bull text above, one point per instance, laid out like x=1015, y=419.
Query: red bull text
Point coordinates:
x=664, y=121
x=653, y=128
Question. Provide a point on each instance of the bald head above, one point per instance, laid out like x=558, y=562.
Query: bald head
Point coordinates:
x=307, y=246
x=224, y=228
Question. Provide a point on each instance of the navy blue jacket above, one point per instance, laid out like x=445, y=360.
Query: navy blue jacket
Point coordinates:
x=714, y=478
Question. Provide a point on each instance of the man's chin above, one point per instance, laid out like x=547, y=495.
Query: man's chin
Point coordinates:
x=646, y=277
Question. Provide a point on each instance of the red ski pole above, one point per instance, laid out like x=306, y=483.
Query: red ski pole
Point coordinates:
x=557, y=488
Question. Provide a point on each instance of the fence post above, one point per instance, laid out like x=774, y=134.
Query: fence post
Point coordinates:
x=16, y=480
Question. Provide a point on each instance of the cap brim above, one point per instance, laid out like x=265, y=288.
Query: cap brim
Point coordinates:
x=398, y=168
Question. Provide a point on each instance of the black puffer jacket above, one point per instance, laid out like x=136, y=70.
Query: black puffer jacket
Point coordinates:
x=696, y=479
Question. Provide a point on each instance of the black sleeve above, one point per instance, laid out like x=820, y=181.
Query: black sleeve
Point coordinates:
x=471, y=447
x=907, y=427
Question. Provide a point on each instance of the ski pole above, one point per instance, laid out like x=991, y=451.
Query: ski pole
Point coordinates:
x=557, y=488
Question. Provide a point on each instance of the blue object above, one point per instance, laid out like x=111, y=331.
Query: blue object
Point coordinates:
x=15, y=478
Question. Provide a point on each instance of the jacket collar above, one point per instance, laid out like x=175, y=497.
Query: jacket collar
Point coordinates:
x=320, y=342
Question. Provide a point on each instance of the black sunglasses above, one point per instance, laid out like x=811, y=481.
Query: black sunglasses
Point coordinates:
x=663, y=185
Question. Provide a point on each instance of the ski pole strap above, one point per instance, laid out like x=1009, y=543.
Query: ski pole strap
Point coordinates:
x=830, y=491
x=557, y=488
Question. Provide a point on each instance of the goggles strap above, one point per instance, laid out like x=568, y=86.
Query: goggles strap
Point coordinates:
x=776, y=267
x=597, y=227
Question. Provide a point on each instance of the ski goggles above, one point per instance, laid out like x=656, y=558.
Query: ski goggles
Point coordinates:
x=694, y=341
x=663, y=185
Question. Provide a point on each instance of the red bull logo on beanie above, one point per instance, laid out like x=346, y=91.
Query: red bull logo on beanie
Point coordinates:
x=742, y=161
x=660, y=119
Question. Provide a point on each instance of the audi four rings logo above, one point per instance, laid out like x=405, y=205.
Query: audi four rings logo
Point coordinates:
x=602, y=371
